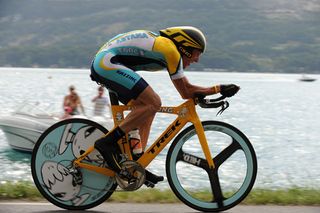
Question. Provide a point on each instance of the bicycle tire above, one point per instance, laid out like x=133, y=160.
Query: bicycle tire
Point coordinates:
x=184, y=165
x=51, y=165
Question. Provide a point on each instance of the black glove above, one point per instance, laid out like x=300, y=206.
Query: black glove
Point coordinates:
x=229, y=90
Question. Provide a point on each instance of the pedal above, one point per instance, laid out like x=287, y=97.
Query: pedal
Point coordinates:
x=149, y=184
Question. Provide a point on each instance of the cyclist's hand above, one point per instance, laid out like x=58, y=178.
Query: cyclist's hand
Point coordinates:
x=229, y=90
x=200, y=96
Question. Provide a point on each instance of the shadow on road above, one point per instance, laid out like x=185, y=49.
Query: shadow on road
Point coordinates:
x=71, y=211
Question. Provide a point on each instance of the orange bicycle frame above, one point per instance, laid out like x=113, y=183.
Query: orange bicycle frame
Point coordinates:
x=185, y=112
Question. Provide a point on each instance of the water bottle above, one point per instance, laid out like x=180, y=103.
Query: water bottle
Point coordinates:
x=135, y=141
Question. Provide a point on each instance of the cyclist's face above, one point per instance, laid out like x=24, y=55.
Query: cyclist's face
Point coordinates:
x=194, y=58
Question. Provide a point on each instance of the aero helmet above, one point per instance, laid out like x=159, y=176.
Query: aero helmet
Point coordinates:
x=186, y=39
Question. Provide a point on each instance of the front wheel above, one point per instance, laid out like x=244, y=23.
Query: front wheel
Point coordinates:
x=53, y=171
x=204, y=188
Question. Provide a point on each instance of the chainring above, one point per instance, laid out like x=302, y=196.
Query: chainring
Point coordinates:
x=132, y=176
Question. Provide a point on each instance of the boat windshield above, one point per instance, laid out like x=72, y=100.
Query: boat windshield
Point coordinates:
x=33, y=110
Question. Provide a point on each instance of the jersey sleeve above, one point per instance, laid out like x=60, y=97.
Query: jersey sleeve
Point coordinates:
x=172, y=56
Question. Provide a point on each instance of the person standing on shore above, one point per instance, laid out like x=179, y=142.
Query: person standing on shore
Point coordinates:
x=101, y=103
x=73, y=101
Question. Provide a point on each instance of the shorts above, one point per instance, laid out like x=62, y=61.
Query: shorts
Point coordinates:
x=117, y=77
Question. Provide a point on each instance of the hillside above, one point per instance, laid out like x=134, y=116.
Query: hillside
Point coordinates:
x=243, y=35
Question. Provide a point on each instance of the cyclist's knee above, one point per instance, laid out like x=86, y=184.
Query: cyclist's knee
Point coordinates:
x=150, y=99
x=155, y=104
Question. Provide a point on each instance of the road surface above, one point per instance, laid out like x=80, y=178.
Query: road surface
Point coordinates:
x=40, y=207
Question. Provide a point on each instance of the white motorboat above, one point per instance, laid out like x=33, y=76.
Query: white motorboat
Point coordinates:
x=24, y=126
x=307, y=78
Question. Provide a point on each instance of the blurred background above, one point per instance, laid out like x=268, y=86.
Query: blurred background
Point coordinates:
x=242, y=35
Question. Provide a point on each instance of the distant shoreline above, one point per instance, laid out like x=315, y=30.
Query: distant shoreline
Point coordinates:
x=187, y=71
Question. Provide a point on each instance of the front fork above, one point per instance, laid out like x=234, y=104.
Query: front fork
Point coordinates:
x=204, y=144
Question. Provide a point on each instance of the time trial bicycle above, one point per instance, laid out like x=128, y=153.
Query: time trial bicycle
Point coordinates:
x=211, y=157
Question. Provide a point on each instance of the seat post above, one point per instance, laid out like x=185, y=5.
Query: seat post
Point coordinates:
x=113, y=98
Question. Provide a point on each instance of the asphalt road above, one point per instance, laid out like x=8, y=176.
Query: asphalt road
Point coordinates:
x=33, y=207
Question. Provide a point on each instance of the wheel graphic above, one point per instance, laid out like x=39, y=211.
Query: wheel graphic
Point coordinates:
x=52, y=165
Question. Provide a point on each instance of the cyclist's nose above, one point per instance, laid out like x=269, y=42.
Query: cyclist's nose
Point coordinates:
x=195, y=59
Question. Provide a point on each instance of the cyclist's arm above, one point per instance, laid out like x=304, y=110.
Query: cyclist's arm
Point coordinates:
x=188, y=90
x=174, y=66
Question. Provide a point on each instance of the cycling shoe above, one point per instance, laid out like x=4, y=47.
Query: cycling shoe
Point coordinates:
x=152, y=179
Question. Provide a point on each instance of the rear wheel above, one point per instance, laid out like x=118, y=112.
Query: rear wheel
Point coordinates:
x=52, y=165
x=201, y=187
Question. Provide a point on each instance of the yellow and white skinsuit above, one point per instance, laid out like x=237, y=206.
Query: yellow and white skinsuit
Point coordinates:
x=117, y=61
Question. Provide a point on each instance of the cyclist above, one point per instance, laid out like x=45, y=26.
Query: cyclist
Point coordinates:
x=115, y=66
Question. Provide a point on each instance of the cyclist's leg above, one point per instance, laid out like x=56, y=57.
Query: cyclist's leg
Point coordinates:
x=145, y=131
x=145, y=103
x=144, y=109
x=129, y=85
x=114, y=78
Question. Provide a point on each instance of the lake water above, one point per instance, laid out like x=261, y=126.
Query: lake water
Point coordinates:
x=279, y=114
